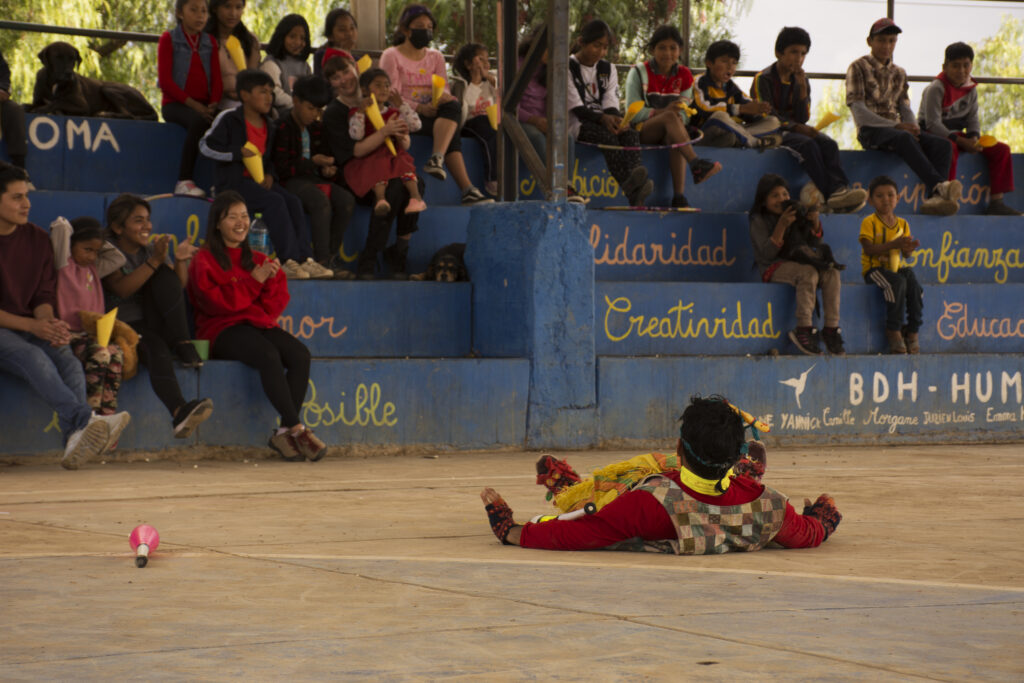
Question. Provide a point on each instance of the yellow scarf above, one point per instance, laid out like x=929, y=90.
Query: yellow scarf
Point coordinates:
x=709, y=487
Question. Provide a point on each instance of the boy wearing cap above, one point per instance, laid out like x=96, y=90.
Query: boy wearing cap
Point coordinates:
x=785, y=87
x=876, y=92
x=949, y=107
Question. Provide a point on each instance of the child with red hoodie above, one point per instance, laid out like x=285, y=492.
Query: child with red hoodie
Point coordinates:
x=237, y=295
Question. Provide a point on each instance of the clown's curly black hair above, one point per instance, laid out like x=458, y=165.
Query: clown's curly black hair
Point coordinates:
x=714, y=433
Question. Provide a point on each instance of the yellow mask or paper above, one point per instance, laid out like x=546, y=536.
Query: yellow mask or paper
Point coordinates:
x=254, y=165
x=373, y=113
x=105, y=327
x=827, y=119
x=987, y=141
x=234, y=48
x=492, y=115
x=436, y=89
x=631, y=111
x=364, y=63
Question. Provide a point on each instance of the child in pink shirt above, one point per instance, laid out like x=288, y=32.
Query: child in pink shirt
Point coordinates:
x=411, y=66
x=76, y=247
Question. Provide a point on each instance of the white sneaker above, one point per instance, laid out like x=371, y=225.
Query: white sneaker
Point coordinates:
x=294, y=271
x=936, y=205
x=315, y=270
x=85, y=444
x=952, y=190
x=115, y=425
x=188, y=189
x=846, y=200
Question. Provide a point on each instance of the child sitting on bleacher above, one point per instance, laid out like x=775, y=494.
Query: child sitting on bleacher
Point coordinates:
x=772, y=216
x=885, y=240
x=474, y=85
x=225, y=143
x=666, y=89
x=226, y=21
x=341, y=32
x=286, y=61
x=340, y=71
x=594, y=114
x=949, y=108
x=33, y=340
x=724, y=114
x=784, y=86
x=305, y=167
x=76, y=248
x=370, y=172
x=238, y=294
x=148, y=291
x=411, y=65
x=876, y=92
x=189, y=78
x=12, y=119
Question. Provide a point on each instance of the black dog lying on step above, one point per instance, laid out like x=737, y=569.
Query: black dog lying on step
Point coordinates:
x=446, y=265
x=59, y=90
x=802, y=245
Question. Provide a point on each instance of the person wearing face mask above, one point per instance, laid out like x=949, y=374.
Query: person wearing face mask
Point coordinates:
x=411, y=66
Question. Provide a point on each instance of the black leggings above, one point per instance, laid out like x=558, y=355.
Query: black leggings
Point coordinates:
x=195, y=125
x=163, y=326
x=282, y=361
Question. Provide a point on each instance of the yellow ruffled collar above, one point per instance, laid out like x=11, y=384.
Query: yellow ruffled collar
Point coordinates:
x=709, y=487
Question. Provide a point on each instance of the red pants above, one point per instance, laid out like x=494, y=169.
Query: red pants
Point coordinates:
x=1000, y=166
x=633, y=514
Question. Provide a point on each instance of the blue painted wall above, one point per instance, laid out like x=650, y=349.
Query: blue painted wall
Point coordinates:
x=698, y=318
x=856, y=399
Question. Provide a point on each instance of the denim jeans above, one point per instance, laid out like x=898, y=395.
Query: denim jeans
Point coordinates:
x=53, y=372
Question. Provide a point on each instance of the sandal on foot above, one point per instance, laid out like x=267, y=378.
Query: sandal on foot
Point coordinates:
x=499, y=515
x=555, y=475
x=381, y=208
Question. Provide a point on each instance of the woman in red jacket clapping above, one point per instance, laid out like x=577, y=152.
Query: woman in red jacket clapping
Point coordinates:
x=237, y=295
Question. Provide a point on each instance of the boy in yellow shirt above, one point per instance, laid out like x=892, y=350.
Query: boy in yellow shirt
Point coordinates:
x=885, y=240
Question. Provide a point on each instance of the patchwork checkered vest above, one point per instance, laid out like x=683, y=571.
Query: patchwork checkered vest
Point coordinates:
x=706, y=529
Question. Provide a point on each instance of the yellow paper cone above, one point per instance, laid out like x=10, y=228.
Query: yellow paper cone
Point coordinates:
x=364, y=63
x=492, y=115
x=436, y=89
x=373, y=113
x=254, y=165
x=682, y=105
x=105, y=326
x=234, y=48
x=987, y=141
x=827, y=119
x=631, y=111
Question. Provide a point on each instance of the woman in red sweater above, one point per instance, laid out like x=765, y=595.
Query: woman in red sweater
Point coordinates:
x=713, y=503
x=237, y=295
x=189, y=77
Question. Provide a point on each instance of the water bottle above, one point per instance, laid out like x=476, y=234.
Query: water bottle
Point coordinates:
x=259, y=239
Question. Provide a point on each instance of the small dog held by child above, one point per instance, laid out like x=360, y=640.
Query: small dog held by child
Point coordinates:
x=803, y=243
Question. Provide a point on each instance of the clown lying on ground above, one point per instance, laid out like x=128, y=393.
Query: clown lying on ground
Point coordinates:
x=707, y=498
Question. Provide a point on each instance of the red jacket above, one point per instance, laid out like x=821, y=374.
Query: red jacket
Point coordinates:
x=225, y=298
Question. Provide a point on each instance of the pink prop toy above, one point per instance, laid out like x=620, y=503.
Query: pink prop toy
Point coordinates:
x=143, y=540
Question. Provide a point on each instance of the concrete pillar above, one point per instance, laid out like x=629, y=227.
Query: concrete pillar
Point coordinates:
x=532, y=270
x=373, y=28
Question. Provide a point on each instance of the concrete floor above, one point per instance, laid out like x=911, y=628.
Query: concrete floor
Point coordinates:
x=385, y=569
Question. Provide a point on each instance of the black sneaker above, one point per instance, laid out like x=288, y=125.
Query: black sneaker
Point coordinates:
x=679, y=202
x=639, y=196
x=702, y=169
x=190, y=416
x=806, y=341
x=474, y=196
x=187, y=355
x=833, y=341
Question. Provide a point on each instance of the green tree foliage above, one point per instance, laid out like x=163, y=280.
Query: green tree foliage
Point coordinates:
x=999, y=105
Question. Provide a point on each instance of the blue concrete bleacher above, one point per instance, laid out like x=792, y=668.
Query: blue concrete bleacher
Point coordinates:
x=390, y=358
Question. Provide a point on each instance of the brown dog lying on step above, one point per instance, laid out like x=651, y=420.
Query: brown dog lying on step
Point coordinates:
x=59, y=90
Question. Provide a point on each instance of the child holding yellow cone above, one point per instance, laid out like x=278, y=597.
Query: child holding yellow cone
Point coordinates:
x=389, y=159
x=230, y=142
x=238, y=48
x=474, y=86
